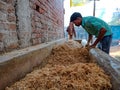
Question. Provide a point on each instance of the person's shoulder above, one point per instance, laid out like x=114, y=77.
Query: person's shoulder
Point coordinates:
x=88, y=17
x=93, y=18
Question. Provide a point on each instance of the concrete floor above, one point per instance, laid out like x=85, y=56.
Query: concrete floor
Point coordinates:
x=115, y=52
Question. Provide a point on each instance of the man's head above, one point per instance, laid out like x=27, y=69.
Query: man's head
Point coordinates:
x=76, y=18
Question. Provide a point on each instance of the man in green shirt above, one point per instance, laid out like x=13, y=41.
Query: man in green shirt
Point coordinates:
x=94, y=26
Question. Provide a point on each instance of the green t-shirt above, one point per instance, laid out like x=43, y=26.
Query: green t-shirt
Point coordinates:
x=93, y=25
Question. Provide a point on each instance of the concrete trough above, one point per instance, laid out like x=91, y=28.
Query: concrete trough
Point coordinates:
x=109, y=64
x=15, y=65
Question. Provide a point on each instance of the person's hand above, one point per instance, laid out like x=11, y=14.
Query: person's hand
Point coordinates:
x=87, y=45
x=92, y=46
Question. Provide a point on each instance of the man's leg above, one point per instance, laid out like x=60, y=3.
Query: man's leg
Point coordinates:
x=105, y=44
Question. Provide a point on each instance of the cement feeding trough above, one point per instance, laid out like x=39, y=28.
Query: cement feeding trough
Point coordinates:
x=14, y=66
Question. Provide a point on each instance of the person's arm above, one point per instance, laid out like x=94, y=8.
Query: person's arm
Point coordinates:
x=89, y=39
x=74, y=32
x=100, y=36
x=71, y=30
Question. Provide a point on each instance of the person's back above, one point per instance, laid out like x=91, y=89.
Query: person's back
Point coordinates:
x=93, y=25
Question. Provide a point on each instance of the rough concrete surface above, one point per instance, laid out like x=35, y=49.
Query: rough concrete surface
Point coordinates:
x=109, y=64
x=15, y=65
x=115, y=52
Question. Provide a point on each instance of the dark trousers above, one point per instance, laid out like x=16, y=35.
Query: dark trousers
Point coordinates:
x=104, y=44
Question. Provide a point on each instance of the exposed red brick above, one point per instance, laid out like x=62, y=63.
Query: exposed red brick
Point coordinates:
x=10, y=9
x=1, y=36
x=2, y=6
x=12, y=26
x=11, y=18
x=35, y=41
x=41, y=11
x=9, y=1
x=12, y=46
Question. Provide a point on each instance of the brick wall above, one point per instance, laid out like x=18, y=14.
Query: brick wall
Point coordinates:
x=47, y=20
x=26, y=23
x=8, y=34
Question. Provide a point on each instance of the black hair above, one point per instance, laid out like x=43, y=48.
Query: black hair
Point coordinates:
x=74, y=16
